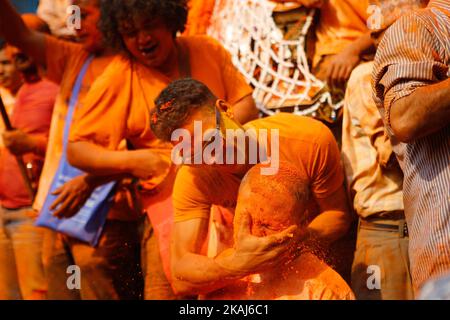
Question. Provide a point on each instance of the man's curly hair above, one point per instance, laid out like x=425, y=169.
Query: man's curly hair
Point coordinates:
x=176, y=103
x=172, y=12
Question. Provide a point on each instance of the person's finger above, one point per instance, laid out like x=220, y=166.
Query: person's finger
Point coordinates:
x=340, y=78
x=335, y=76
x=347, y=73
x=282, y=237
x=329, y=73
x=58, y=190
x=245, y=225
x=61, y=198
x=72, y=210
x=63, y=207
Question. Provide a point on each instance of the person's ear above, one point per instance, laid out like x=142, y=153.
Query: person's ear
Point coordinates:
x=224, y=106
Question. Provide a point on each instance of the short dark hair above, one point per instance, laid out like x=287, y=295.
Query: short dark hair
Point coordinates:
x=172, y=12
x=175, y=104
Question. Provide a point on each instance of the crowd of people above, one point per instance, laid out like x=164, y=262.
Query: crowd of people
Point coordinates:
x=132, y=148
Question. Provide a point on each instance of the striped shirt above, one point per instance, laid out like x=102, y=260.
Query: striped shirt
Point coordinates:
x=415, y=52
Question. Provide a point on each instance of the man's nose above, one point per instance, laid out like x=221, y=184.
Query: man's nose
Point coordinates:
x=144, y=37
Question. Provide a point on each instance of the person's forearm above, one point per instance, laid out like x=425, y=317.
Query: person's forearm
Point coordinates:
x=97, y=160
x=96, y=181
x=196, y=274
x=329, y=226
x=15, y=32
x=421, y=113
x=39, y=145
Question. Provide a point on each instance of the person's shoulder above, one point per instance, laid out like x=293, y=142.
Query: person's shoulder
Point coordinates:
x=409, y=24
x=48, y=85
x=191, y=186
x=117, y=71
x=202, y=43
x=55, y=45
x=294, y=127
x=190, y=176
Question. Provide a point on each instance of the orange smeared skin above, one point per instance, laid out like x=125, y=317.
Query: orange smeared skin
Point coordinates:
x=274, y=203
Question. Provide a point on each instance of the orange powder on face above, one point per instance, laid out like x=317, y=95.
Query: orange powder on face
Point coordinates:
x=274, y=202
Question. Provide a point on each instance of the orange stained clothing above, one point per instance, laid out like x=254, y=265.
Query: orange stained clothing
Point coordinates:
x=341, y=22
x=304, y=142
x=306, y=278
x=124, y=96
x=374, y=182
x=64, y=61
x=199, y=17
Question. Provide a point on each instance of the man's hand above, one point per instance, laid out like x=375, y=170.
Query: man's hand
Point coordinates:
x=253, y=254
x=145, y=164
x=71, y=197
x=18, y=142
x=340, y=68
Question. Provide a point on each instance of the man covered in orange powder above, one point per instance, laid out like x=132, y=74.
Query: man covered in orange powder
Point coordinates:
x=261, y=214
x=208, y=185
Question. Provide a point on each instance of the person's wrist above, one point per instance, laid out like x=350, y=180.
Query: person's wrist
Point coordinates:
x=128, y=163
x=232, y=264
x=32, y=145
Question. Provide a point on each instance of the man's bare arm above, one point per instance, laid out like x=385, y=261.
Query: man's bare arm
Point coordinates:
x=15, y=32
x=100, y=161
x=194, y=273
x=334, y=220
x=422, y=113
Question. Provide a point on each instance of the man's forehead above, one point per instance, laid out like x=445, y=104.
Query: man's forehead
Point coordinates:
x=4, y=56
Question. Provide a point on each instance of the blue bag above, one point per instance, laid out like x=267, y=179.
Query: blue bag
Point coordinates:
x=87, y=225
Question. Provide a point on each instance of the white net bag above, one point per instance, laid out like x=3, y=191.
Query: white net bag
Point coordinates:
x=280, y=78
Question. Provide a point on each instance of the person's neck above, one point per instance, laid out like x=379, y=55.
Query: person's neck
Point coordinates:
x=14, y=89
x=31, y=78
x=103, y=52
x=170, y=67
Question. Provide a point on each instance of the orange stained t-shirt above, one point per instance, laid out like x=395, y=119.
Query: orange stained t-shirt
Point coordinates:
x=304, y=142
x=119, y=104
x=341, y=22
x=64, y=61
